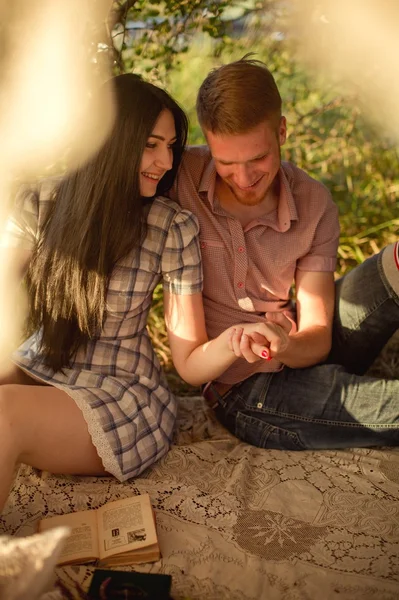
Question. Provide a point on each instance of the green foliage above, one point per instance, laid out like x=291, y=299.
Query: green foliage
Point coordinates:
x=150, y=36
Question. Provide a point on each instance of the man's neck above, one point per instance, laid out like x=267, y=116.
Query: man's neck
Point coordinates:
x=245, y=213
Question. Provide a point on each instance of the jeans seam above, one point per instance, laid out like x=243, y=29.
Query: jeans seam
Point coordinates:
x=292, y=434
x=262, y=393
x=265, y=388
x=327, y=422
x=369, y=313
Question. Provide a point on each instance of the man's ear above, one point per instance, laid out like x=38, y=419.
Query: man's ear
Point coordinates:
x=282, y=130
x=205, y=133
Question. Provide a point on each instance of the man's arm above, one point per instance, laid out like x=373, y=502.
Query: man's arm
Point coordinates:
x=311, y=344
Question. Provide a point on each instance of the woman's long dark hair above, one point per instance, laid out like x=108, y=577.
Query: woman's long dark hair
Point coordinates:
x=96, y=219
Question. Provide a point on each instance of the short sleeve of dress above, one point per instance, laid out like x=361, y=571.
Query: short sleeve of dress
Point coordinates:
x=21, y=227
x=181, y=258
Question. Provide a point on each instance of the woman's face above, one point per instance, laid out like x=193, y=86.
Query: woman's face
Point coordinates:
x=158, y=154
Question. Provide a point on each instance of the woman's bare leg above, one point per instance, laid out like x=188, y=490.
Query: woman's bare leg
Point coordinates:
x=42, y=427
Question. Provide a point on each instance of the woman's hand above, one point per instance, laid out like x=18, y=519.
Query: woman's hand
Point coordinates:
x=261, y=341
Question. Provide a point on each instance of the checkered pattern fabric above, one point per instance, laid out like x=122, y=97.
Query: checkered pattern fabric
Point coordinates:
x=117, y=381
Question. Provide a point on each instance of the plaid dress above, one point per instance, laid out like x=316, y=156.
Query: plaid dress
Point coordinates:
x=117, y=382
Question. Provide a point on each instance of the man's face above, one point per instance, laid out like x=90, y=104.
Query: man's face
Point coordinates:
x=249, y=162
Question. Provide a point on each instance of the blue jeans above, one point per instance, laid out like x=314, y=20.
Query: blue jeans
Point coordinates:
x=333, y=404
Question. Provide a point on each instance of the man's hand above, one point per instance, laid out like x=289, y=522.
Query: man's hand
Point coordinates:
x=281, y=318
x=261, y=341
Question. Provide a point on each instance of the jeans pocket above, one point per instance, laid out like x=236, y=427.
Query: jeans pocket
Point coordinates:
x=258, y=432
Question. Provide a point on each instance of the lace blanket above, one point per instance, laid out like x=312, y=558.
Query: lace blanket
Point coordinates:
x=240, y=523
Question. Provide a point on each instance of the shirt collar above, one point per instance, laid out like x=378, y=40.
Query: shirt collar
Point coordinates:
x=286, y=209
x=208, y=181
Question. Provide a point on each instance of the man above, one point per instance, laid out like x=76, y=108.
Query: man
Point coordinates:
x=265, y=225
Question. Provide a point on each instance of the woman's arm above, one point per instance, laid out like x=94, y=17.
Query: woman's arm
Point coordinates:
x=14, y=263
x=196, y=359
x=199, y=360
x=18, y=237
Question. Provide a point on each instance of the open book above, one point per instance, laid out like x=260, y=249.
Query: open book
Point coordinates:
x=119, y=533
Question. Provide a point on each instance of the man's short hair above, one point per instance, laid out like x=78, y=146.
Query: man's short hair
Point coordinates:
x=236, y=97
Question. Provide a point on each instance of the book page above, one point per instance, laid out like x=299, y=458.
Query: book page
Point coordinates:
x=125, y=525
x=83, y=542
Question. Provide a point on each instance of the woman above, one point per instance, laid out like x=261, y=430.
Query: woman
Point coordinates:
x=86, y=394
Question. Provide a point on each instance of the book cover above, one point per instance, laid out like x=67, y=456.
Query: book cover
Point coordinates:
x=122, y=585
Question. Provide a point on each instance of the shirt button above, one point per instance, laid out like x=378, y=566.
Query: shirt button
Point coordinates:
x=241, y=249
x=259, y=405
x=240, y=284
x=203, y=245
